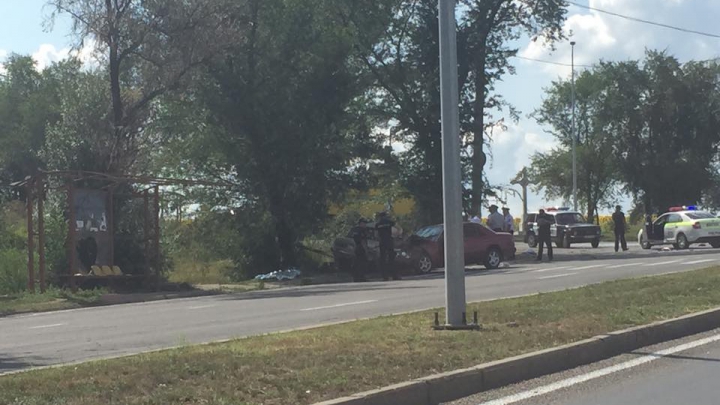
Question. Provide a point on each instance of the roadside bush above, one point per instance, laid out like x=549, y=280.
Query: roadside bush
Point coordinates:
x=13, y=271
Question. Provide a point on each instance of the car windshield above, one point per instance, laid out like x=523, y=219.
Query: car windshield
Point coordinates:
x=700, y=215
x=429, y=232
x=569, y=218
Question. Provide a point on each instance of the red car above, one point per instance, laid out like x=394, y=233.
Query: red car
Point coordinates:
x=425, y=248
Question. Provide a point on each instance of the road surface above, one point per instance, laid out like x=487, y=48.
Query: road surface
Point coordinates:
x=91, y=333
x=679, y=372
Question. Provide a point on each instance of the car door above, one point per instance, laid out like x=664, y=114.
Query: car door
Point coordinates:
x=671, y=227
x=472, y=243
x=658, y=229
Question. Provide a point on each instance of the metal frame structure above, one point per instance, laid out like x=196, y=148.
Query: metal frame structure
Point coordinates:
x=36, y=188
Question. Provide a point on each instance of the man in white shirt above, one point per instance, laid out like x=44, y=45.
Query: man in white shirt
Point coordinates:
x=509, y=221
x=495, y=220
x=475, y=218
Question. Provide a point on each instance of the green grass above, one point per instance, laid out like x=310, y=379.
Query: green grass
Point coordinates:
x=53, y=299
x=308, y=366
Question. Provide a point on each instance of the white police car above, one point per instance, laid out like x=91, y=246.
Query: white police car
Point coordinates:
x=681, y=227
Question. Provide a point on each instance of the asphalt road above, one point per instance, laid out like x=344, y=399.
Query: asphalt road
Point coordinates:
x=78, y=335
x=679, y=372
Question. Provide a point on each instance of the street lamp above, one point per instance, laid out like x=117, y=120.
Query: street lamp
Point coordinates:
x=452, y=180
x=574, y=137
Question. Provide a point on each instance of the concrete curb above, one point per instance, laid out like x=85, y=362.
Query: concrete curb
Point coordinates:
x=454, y=385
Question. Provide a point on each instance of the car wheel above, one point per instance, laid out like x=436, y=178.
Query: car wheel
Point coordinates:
x=645, y=244
x=595, y=243
x=682, y=242
x=424, y=263
x=532, y=240
x=493, y=259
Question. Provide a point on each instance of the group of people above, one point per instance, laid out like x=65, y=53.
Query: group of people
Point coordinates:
x=496, y=221
x=384, y=227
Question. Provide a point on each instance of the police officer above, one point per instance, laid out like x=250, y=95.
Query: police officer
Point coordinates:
x=360, y=236
x=618, y=218
x=544, y=222
x=384, y=226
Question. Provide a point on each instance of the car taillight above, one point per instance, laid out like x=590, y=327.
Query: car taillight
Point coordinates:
x=696, y=225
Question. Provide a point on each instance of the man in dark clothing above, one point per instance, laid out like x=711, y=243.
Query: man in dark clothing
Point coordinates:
x=544, y=222
x=618, y=218
x=360, y=236
x=384, y=226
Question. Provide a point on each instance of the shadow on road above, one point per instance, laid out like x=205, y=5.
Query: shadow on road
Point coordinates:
x=320, y=290
x=9, y=364
x=676, y=357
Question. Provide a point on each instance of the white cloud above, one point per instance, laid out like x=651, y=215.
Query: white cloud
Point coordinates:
x=47, y=54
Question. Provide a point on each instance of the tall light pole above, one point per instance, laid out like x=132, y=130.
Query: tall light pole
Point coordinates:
x=574, y=137
x=452, y=180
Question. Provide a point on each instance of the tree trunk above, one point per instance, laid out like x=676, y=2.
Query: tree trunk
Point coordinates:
x=286, y=242
x=479, y=158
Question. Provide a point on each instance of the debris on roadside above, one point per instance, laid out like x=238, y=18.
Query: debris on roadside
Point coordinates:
x=280, y=275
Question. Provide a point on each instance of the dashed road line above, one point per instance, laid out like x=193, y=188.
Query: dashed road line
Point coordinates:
x=617, y=266
x=55, y=325
x=551, y=269
x=588, y=267
x=339, y=305
x=661, y=263
x=557, y=276
x=699, y=261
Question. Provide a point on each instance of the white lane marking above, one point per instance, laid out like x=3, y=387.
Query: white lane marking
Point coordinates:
x=55, y=325
x=202, y=306
x=551, y=269
x=617, y=266
x=700, y=261
x=557, y=276
x=339, y=305
x=588, y=267
x=569, y=382
x=661, y=263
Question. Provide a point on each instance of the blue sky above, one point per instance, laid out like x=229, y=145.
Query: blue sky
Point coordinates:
x=598, y=36
x=21, y=27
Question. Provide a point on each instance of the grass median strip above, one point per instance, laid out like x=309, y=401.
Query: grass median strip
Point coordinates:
x=312, y=365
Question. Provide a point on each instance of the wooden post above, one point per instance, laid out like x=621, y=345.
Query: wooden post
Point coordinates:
x=41, y=231
x=30, y=238
x=71, y=232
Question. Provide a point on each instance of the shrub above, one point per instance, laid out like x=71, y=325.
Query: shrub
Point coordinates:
x=13, y=271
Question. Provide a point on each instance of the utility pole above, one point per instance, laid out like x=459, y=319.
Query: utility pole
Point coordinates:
x=523, y=181
x=452, y=180
x=574, y=137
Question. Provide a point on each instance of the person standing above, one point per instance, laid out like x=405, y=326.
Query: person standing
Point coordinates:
x=495, y=220
x=509, y=221
x=618, y=218
x=544, y=222
x=360, y=236
x=384, y=226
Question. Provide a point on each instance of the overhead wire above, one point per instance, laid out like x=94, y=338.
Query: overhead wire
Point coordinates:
x=640, y=20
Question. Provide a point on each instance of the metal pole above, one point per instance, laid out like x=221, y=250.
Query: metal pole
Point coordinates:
x=41, y=230
x=30, y=238
x=452, y=187
x=574, y=138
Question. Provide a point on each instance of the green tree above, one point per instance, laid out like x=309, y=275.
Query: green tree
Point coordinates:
x=597, y=170
x=148, y=48
x=28, y=103
x=664, y=117
x=279, y=114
